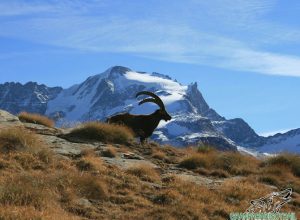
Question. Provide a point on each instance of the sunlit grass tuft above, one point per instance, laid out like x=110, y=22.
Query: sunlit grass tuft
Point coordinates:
x=97, y=131
x=36, y=119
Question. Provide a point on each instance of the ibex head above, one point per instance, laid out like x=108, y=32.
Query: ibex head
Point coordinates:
x=155, y=99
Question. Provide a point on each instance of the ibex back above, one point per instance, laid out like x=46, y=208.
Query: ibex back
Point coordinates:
x=143, y=125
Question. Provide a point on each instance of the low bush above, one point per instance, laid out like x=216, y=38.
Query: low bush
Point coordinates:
x=160, y=155
x=224, y=163
x=18, y=139
x=109, y=152
x=205, y=149
x=108, y=133
x=144, y=172
x=89, y=187
x=271, y=180
x=291, y=161
x=219, y=173
x=36, y=119
x=90, y=162
x=167, y=197
x=242, y=191
x=194, y=161
x=24, y=190
x=22, y=148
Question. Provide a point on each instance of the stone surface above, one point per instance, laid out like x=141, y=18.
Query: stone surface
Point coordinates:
x=127, y=163
x=64, y=147
x=8, y=120
x=84, y=203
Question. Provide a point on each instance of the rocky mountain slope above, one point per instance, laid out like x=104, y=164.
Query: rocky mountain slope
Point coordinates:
x=31, y=97
x=288, y=142
x=114, y=91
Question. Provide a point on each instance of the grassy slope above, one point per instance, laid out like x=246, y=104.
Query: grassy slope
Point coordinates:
x=37, y=184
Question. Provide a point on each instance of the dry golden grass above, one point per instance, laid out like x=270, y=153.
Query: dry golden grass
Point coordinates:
x=232, y=163
x=206, y=149
x=24, y=189
x=30, y=213
x=237, y=193
x=194, y=161
x=281, y=171
x=16, y=139
x=167, y=197
x=160, y=155
x=290, y=161
x=54, y=192
x=108, y=133
x=23, y=149
x=235, y=163
x=234, y=195
x=46, y=189
x=36, y=119
x=87, y=152
x=219, y=173
x=85, y=165
x=90, y=162
x=110, y=151
x=36, y=184
x=89, y=187
x=144, y=172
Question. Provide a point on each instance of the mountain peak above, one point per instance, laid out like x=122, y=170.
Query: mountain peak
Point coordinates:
x=115, y=71
x=163, y=76
x=113, y=92
x=118, y=69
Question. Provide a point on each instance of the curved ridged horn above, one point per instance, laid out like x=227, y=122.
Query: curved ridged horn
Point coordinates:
x=155, y=99
x=147, y=100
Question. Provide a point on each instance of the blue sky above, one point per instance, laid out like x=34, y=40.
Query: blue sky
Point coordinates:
x=243, y=54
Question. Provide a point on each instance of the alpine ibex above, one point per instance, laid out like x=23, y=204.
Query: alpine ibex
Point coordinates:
x=143, y=125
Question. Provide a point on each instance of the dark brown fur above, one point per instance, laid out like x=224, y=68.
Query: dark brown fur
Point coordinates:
x=142, y=125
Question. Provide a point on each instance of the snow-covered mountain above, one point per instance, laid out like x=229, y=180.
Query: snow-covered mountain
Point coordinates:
x=114, y=92
x=193, y=121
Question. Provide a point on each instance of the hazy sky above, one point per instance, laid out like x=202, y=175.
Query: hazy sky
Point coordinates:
x=244, y=54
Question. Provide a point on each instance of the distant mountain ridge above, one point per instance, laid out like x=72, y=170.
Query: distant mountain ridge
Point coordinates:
x=113, y=91
x=31, y=97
